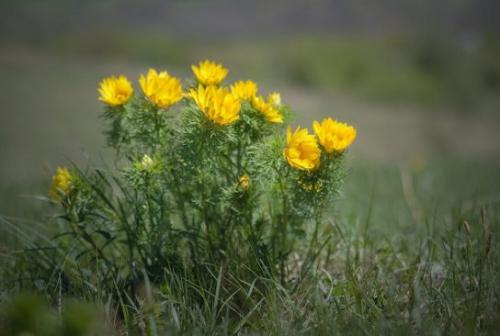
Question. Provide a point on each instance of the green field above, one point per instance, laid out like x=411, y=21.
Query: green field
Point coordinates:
x=414, y=232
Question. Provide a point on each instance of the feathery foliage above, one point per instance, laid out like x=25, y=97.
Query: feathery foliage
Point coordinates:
x=205, y=185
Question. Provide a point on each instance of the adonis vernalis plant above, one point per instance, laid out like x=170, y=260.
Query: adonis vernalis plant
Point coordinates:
x=208, y=177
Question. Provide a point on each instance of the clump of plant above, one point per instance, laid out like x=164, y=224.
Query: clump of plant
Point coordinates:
x=208, y=190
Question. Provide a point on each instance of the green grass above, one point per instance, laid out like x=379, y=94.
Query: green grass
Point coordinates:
x=413, y=251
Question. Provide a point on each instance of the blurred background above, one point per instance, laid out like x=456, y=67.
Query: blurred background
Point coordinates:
x=420, y=79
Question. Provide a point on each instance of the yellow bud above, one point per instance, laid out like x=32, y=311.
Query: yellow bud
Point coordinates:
x=62, y=182
x=146, y=162
x=244, y=182
x=274, y=99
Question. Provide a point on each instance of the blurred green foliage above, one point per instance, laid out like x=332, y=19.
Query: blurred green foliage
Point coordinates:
x=29, y=314
x=131, y=46
x=423, y=69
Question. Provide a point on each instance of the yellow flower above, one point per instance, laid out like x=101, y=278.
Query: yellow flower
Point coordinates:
x=274, y=99
x=161, y=89
x=115, y=91
x=244, y=89
x=209, y=73
x=244, y=182
x=302, y=150
x=217, y=104
x=269, y=112
x=61, y=183
x=334, y=136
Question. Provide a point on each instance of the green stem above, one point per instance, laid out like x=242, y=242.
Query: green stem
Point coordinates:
x=157, y=122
